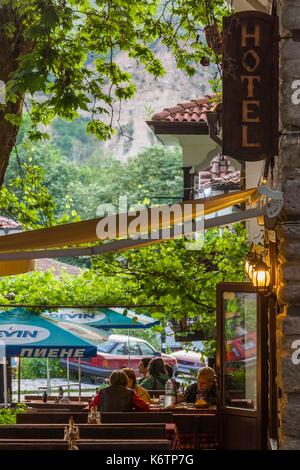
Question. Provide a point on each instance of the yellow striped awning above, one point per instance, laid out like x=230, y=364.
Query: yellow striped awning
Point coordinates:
x=78, y=233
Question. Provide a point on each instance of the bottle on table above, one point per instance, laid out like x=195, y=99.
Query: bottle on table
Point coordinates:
x=170, y=393
x=45, y=396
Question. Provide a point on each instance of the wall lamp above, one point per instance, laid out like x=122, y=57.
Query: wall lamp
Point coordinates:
x=258, y=271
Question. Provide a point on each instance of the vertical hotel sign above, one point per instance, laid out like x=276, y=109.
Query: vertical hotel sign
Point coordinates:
x=250, y=86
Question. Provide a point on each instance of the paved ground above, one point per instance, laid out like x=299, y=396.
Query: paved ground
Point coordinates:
x=31, y=387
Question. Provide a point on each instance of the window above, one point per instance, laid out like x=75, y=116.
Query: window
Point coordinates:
x=121, y=349
x=106, y=346
x=146, y=350
x=134, y=349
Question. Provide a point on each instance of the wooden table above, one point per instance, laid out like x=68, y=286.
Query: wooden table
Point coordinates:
x=186, y=408
x=198, y=427
x=37, y=405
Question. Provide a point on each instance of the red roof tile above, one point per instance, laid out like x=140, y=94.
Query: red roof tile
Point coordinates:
x=48, y=264
x=191, y=111
x=6, y=223
x=219, y=173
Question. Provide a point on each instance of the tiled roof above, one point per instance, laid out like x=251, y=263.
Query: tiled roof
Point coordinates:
x=219, y=173
x=48, y=264
x=191, y=111
x=6, y=224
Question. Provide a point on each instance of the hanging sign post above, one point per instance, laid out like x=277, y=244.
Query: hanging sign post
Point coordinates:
x=250, y=86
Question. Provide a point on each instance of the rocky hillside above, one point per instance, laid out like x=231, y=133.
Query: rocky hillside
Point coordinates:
x=152, y=96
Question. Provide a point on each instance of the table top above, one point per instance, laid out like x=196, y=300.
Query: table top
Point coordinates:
x=185, y=408
x=55, y=403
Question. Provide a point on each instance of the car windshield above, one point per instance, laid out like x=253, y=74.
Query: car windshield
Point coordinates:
x=106, y=347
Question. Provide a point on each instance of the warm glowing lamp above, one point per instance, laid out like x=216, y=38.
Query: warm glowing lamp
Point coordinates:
x=261, y=275
x=252, y=260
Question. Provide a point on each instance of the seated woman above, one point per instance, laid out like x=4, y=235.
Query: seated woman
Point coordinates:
x=138, y=389
x=117, y=396
x=157, y=375
x=205, y=386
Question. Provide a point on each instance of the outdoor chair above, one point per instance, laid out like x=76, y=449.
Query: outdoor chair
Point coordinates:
x=197, y=431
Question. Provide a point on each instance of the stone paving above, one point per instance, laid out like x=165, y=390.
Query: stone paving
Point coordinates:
x=31, y=386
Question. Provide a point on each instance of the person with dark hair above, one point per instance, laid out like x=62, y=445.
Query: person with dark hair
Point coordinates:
x=117, y=396
x=144, y=368
x=138, y=389
x=157, y=375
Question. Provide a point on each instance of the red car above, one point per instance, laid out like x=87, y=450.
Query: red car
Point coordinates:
x=242, y=348
x=116, y=353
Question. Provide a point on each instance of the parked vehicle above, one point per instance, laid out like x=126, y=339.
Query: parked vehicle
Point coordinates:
x=118, y=352
x=188, y=362
x=241, y=350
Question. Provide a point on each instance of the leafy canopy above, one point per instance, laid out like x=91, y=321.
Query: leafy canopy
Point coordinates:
x=72, y=63
x=26, y=199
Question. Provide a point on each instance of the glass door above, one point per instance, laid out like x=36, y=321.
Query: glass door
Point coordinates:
x=241, y=366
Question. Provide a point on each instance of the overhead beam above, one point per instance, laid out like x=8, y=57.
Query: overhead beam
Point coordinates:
x=128, y=243
x=77, y=233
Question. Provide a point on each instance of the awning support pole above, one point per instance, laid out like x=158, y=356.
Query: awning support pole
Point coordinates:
x=68, y=375
x=128, y=334
x=48, y=378
x=79, y=379
x=5, y=381
x=19, y=380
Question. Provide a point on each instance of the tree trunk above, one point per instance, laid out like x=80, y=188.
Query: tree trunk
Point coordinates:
x=13, y=45
x=8, y=135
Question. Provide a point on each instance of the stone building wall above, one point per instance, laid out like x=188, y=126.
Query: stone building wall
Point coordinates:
x=288, y=228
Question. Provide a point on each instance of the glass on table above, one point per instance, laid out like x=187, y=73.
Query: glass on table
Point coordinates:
x=161, y=401
x=155, y=401
x=200, y=396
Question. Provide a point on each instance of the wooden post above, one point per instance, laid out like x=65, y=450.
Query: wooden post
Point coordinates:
x=188, y=183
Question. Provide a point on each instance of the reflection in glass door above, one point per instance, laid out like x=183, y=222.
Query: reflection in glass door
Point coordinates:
x=242, y=366
x=240, y=350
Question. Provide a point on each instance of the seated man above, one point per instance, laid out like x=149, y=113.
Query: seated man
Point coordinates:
x=205, y=387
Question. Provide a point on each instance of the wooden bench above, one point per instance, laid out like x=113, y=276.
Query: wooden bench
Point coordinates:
x=60, y=417
x=57, y=406
x=103, y=444
x=55, y=417
x=87, y=431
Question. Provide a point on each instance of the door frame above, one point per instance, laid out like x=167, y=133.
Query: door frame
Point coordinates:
x=261, y=412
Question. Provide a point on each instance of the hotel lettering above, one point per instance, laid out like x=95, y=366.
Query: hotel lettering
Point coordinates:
x=250, y=86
